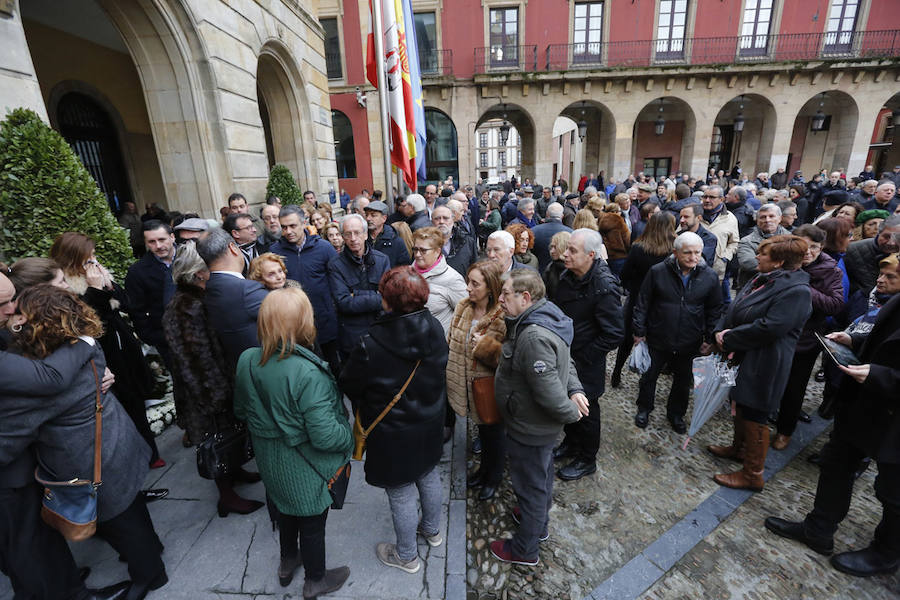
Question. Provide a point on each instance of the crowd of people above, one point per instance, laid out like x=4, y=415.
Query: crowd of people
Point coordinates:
x=495, y=305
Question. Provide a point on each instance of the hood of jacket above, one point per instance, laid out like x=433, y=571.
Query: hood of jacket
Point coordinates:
x=547, y=315
x=410, y=336
x=823, y=264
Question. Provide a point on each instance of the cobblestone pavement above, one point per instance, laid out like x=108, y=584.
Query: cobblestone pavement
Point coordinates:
x=645, y=485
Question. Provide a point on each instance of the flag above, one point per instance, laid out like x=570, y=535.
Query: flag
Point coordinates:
x=403, y=81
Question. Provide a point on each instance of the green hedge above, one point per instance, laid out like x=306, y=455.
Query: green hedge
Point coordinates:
x=282, y=184
x=45, y=191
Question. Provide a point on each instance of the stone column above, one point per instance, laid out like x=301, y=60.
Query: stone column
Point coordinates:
x=18, y=81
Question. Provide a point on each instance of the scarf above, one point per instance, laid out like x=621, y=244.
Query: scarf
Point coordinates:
x=710, y=215
x=864, y=323
x=433, y=265
x=530, y=223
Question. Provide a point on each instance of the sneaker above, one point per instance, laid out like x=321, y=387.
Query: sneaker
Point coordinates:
x=517, y=519
x=502, y=550
x=433, y=540
x=158, y=464
x=387, y=554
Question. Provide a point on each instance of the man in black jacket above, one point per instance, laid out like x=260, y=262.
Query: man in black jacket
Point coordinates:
x=383, y=237
x=590, y=295
x=149, y=285
x=691, y=219
x=243, y=230
x=459, y=249
x=676, y=311
x=867, y=424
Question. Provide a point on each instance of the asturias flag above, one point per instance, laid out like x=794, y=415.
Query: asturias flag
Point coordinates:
x=404, y=88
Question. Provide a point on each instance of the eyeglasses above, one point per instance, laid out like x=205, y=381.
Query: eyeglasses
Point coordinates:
x=710, y=196
x=250, y=226
x=417, y=250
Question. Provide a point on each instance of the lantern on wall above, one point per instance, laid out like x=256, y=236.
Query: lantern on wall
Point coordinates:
x=818, y=120
x=739, y=119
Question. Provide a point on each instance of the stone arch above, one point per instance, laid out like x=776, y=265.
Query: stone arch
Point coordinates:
x=280, y=88
x=884, y=149
x=831, y=148
x=519, y=117
x=677, y=139
x=178, y=85
x=599, y=146
x=753, y=145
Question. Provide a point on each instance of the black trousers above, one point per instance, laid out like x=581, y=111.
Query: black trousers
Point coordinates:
x=795, y=391
x=682, y=381
x=134, y=406
x=33, y=555
x=627, y=341
x=531, y=473
x=493, y=452
x=311, y=534
x=131, y=534
x=584, y=434
x=839, y=460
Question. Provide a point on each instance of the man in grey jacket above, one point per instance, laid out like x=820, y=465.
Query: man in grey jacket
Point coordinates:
x=768, y=224
x=537, y=392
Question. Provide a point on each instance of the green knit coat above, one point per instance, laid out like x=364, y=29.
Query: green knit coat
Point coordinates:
x=292, y=405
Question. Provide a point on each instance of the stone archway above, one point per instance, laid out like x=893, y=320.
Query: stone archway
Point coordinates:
x=674, y=144
x=753, y=144
x=599, y=144
x=283, y=111
x=519, y=118
x=830, y=147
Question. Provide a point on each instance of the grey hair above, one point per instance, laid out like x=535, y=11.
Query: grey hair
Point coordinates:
x=505, y=237
x=354, y=217
x=770, y=195
x=688, y=238
x=187, y=264
x=215, y=244
x=590, y=190
x=891, y=221
x=292, y=209
x=525, y=202
x=592, y=240
x=786, y=204
x=555, y=211
x=884, y=183
x=456, y=207
x=769, y=207
x=739, y=192
x=417, y=201
x=719, y=189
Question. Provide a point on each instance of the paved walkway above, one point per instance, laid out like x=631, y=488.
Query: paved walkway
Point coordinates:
x=208, y=557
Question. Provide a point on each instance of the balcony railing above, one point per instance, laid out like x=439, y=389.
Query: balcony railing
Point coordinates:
x=506, y=58
x=436, y=63
x=723, y=50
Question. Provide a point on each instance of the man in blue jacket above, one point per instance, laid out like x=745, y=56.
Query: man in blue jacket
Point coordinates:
x=306, y=257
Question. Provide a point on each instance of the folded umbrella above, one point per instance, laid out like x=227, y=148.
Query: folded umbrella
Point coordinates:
x=713, y=379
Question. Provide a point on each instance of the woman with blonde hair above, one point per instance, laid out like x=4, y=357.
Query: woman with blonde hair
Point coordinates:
x=269, y=269
x=301, y=436
x=585, y=219
x=476, y=335
x=405, y=233
x=333, y=235
x=319, y=219
x=558, y=244
x=446, y=287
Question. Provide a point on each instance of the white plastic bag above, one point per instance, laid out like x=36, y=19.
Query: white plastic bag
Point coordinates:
x=639, y=361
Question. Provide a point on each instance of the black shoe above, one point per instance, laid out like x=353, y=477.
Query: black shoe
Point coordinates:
x=678, y=425
x=615, y=379
x=862, y=467
x=815, y=458
x=286, y=569
x=577, y=469
x=139, y=591
x=794, y=530
x=820, y=375
x=804, y=416
x=562, y=451
x=642, y=418
x=154, y=494
x=487, y=492
x=828, y=408
x=476, y=479
x=116, y=591
x=864, y=563
x=476, y=446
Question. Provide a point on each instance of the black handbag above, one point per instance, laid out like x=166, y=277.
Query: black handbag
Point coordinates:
x=337, y=484
x=224, y=451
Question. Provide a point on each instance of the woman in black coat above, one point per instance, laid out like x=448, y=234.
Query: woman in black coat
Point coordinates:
x=760, y=332
x=654, y=245
x=203, y=386
x=407, y=344
x=827, y=294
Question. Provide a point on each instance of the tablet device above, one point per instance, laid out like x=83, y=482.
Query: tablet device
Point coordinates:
x=839, y=353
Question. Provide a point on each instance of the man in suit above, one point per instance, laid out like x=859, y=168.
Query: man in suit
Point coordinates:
x=232, y=302
x=243, y=230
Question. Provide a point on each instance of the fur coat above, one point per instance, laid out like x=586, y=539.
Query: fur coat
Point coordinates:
x=467, y=363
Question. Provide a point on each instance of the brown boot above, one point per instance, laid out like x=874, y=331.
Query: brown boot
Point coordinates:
x=751, y=476
x=781, y=441
x=737, y=448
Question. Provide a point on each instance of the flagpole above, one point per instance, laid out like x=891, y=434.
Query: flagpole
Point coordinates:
x=378, y=35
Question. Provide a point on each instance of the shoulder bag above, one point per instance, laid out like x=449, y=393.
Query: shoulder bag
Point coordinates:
x=360, y=435
x=483, y=394
x=224, y=450
x=70, y=507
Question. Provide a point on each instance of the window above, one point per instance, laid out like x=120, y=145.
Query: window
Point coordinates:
x=572, y=138
x=426, y=42
x=588, y=32
x=332, y=48
x=482, y=159
x=840, y=26
x=657, y=168
x=504, y=37
x=754, y=39
x=482, y=139
x=441, y=148
x=344, y=152
x=670, y=29
x=502, y=158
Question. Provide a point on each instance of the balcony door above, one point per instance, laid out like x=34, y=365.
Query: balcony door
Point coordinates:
x=670, y=30
x=588, y=32
x=754, y=40
x=840, y=27
x=504, y=37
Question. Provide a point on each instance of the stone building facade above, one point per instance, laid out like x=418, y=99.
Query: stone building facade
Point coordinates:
x=621, y=66
x=180, y=102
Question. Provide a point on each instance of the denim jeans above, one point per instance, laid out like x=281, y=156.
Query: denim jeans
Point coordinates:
x=406, y=515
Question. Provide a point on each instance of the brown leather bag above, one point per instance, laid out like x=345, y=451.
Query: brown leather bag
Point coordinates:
x=485, y=403
x=360, y=435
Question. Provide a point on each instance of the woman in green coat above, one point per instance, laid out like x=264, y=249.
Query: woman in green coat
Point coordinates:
x=291, y=404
